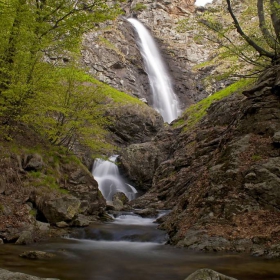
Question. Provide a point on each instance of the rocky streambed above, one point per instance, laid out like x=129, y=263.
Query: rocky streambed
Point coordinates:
x=130, y=247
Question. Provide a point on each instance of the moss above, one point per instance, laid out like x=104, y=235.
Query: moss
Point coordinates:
x=196, y=112
x=139, y=7
x=33, y=212
x=256, y=157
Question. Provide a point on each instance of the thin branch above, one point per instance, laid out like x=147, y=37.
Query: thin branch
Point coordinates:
x=259, y=49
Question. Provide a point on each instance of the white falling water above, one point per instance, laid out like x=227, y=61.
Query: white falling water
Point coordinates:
x=107, y=175
x=164, y=99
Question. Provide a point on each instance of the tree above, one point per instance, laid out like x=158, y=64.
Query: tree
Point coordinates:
x=69, y=108
x=34, y=31
x=244, y=35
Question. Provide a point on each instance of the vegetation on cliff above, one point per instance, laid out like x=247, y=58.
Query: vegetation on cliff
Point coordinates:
x=41, y=81
x=244, y=36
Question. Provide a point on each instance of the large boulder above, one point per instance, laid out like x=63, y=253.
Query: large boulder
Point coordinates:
x=59, y=209
x=8, y=275
x=208, y=274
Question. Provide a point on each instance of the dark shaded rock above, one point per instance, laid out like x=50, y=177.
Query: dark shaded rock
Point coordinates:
x=8, y=275
x=134, y=124
x=2, y=184
x=208, y=274
x=221, y=178
x=139, y=162
x=276, y=138
x=37, y=255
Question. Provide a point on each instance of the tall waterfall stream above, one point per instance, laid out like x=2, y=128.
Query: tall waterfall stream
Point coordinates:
x=165, y=100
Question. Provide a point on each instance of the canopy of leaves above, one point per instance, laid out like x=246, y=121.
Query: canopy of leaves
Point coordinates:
x=41, y=83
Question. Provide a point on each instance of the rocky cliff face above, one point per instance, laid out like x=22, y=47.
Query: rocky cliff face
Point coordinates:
x=221, y=179
x=111, y=52
x=39, y=186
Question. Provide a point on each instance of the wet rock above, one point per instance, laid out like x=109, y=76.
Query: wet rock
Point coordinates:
x=37, y=255
x=25, y=238
x=208, y=274
x=80, y=221
x=121, y=196
x=1, y=241
x=8, y=275
x=118, y=205
x=149, y=212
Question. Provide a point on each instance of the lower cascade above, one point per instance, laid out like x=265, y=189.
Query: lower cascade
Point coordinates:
x=107, y=175
x=165, y=100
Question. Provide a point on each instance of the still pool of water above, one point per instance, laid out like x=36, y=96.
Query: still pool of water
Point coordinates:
x=124, y=251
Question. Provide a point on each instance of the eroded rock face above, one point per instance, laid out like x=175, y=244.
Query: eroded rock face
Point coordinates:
x=134, y=124
x=222, y=178
x=139, y=161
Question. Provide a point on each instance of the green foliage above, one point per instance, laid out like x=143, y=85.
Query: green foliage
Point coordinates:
x=196, y=112
x=37, y=87
x=232, y=53
x=32, y=31
x=139, y=7
x=256, y=157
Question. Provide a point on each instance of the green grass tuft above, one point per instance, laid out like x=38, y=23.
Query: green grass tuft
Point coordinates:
x=196, y=112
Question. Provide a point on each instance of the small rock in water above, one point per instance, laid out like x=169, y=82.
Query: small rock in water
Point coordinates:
x=37, y=255
x=80, y=221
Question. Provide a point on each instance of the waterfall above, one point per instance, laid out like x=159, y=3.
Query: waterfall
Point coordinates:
x=164, y=99
x=107, y=175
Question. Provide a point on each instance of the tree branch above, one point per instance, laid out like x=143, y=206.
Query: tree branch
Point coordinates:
x=266, y=34
x=259, y=49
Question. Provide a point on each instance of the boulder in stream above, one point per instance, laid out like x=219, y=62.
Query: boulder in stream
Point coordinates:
x=36, y=255
x=8, y=275
x=208, y=274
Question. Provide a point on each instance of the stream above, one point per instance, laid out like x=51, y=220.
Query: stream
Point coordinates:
x=128, y=248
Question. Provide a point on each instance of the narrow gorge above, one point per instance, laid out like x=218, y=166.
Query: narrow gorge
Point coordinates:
x=151, y=161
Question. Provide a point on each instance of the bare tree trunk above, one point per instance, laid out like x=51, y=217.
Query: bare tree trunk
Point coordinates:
x=271, y=41
x=275, y=17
